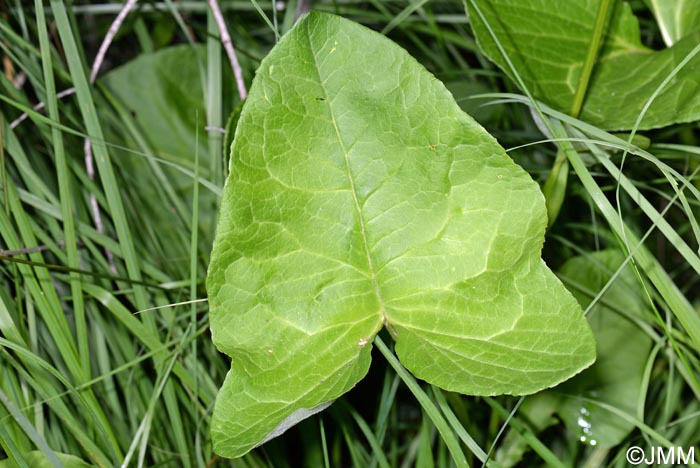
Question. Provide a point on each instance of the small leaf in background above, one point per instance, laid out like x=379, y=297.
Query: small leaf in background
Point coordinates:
x=622, y=349
x=360, y=196
x=548, y=40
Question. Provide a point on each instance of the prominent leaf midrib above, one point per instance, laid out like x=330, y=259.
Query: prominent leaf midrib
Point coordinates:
x=353, y=192
x=380, y=114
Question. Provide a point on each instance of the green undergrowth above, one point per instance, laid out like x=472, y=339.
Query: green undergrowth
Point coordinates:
x=106, y=357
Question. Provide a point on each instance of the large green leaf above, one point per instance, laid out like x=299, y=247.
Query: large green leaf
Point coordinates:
x=360, y=195
x=548, y=41
x=623, y=349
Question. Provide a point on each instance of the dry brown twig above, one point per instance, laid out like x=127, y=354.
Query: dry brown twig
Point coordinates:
x=228, y=46
x=39, y=106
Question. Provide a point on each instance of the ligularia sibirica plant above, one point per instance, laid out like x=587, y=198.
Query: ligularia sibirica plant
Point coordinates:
x=360, y=196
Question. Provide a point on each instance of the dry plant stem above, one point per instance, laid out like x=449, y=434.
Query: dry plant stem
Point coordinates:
x=19, y=80
x=303, y=7
x=93, y=202
x=41, y=105
x=109, y=37
x=210, y=128
x=228, y=46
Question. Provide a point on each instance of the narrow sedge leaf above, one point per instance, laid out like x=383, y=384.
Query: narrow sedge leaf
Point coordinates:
x=360, y=196
x=676, y=19
x=548, y=41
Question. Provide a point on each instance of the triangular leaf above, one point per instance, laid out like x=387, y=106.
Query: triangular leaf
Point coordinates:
x=360, y=195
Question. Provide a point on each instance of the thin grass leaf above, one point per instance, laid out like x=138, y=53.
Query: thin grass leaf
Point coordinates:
x=377, y=452
x=65, y=194
x=102, y=158
x=405, y=13
x=428, y=406
x=29, y=429
x=524, y=431
x=459, y=429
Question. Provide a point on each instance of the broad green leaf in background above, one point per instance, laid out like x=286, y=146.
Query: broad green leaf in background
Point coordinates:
x=160, y=98
x=36, y=459
x=623, y=349
x=360, y=196
x=163, y=93
x=548, y=42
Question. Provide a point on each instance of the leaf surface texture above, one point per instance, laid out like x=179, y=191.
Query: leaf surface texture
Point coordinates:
x=361, y=195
